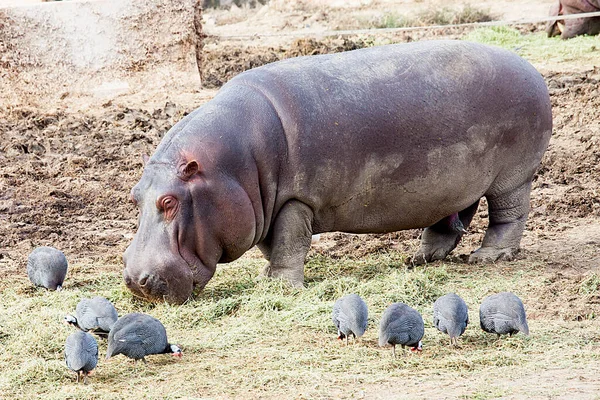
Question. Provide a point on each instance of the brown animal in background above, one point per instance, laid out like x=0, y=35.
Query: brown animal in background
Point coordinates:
x=573, y=27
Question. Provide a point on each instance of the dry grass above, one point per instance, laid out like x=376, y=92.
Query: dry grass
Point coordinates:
x=432, y=15
x=247, y=337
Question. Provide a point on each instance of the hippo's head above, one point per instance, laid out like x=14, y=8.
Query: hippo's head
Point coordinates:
x=191, y=218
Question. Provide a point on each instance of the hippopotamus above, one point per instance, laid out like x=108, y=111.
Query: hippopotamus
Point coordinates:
x=570, y=28
x=374, y=140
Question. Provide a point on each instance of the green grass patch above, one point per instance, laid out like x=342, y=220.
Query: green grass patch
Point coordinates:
x=538, y=48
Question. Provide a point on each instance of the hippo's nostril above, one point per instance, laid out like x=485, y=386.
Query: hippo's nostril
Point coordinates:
x=144, y=280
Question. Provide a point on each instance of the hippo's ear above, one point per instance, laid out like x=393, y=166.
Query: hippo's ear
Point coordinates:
x=186, y=171
x=145, y=159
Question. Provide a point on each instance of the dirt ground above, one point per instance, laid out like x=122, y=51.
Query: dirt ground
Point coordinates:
x=67, y=169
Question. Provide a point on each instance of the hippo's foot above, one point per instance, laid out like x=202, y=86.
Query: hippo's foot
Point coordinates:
x=442, y=237
x=295, y=278
x=435, y=246
x=490, y=255
x=429, y=253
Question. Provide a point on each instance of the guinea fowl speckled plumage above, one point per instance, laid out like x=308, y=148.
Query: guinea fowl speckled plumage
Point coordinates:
x=96, y=314
x=137, y=335
x=47, y=267
x=451, y=316
x=81, y=354
x=350, y=316
x=503, y=313
x=403, y=325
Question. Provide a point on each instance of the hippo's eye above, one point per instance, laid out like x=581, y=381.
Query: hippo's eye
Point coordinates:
x=169, y=205
x=167, y=202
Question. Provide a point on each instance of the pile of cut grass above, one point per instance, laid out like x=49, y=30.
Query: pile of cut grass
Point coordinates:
x=250, y=337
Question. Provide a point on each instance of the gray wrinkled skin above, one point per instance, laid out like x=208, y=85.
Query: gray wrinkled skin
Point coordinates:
x=137, y=335
x=350, y=316
x=96, y=314
x=368, y=141
x=503, y=313
x=451, y=316
x=401, y=324
x=47, y=267
x=81, y=354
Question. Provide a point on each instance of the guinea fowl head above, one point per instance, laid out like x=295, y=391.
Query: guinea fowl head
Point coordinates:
x=70, y=320
x=176, y=351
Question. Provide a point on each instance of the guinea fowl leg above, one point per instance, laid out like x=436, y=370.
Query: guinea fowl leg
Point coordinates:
x=347, y=340
x=144, y=360
x=84, y=378
x=393, y=351
x=77, y=373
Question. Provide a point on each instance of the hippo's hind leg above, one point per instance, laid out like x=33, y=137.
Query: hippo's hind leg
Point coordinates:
x=441, y=238
x=288, y=243
x=508, y=213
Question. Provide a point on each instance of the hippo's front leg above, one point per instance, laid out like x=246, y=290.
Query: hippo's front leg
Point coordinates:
x=289, y=243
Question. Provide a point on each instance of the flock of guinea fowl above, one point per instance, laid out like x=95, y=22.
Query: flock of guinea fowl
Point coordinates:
x=137, y=335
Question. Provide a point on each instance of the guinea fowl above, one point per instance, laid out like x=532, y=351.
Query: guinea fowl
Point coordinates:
x=97, y=315
x=81, y=354
x=137, y=335
x=350, y=316
x=503, y=313
x=47, y=267
x=451, y=316
x=403, y=325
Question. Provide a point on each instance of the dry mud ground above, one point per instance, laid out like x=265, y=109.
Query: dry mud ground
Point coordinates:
x=66, y=170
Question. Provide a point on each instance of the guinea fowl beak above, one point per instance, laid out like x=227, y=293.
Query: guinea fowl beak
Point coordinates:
x=179, y=354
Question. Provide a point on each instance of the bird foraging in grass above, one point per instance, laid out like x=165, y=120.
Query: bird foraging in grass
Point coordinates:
x=350, y=316
x=47, y=267
x=503, y=313
x=451, y=316
x=81, y=354
x=137, y=335
x=403, y=325
x=96, y=314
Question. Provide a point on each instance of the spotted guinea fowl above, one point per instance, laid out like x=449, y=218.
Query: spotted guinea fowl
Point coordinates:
x=137, y=335
x=350, y=316
x=81, y=354
x=47, y=267
x=503, y=313
x=403, y=325
x=96, y=314
x=451, y=316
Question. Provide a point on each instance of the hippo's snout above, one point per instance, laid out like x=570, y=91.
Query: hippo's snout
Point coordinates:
x=147, y=285
x=157, y=280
